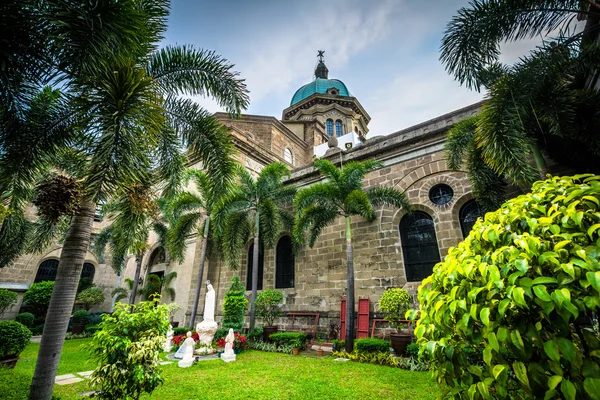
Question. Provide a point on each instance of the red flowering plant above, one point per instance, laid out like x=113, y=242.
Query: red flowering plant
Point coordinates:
x=179, y=339
x=221, y=342
x=238, y=342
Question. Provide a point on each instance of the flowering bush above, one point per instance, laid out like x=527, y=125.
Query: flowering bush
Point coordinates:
x=179, y=339
x=238, y=342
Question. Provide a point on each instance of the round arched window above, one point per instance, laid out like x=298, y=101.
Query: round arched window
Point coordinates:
x=441, y=194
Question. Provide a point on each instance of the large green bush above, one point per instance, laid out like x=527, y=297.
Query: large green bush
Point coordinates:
x=38, y=297
x=7, y=300
x=294, y=339
x=267, y=305
x=127, y=349
x=234, y=306
x=26, y=319
x=81, y=316
x=15, y=337
x=518, y=291
x=90, y=297
x=371, y=345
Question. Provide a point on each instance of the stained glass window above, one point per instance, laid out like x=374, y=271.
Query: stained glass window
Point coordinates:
x=338, y=128
x=329, y=127
x=441, y=194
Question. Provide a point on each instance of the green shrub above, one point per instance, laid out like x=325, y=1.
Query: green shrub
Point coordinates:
x=96, y=317
x=523, y=281
x=371, y=345
x=412, y=350
x=127, y=350
x=80, y=316
x=90, y=297
x=338, y=344
x=7, y=300
x=270, y=347
x=268, y=305
x=180, y=331
x=26, y=319
x=294, y=339
x=255, y=334
x=38, y=297
x=91, y=329
x=234, y=306
x=394, y=303
x=37, y=330
x=15, y=337
x=380, y=358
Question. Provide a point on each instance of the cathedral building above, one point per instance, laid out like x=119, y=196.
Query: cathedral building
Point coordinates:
x=323, y=120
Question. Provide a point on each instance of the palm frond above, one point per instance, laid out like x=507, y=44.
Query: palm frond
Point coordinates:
x=458, y=139
x=326, y=194
x=121, y=294
x=389, y=196
x=329, y=170
x=270, y=222
x=236, y=233
x=100, y=241
x=178, y=234
x=314, y=219
x=358, y=203
x=354, y=172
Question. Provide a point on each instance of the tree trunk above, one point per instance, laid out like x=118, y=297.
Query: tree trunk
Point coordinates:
x=136, y=278
x=70, y=266
x=114, y=299
x=540, y=163
x=254, y=269
x=350, y=296
x=200, y=272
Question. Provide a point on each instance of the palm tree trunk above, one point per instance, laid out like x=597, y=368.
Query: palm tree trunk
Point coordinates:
x=136, y=278
x=254, y=269
x=540, y=163
x=200, y=272
x=114, y=299
x=350, y=297
x=70, y=265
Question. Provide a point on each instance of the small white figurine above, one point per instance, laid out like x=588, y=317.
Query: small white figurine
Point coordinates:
x=229, y=355
x=188, y=355
x=168, y=346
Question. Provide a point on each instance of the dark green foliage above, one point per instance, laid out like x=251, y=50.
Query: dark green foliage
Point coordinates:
x=412, y=350
x=26, y=319
x=220, y=333
x=234, y=306
x=271, y=347
x=91, y=329
x=7, y=300
x=84, y=283
x=294, y=339
x=38, y=329
x=90, y=297
x=15, y=336
x=38, y=297
x=338, y=344
x=255, y=334
x=96, y=317
x=180, y=331
x=81, y=316
x=57, y=196
x=379, y=358
x=507, y=311
x=371, y=345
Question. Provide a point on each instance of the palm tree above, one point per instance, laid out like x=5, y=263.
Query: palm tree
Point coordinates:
x=342, y=194
x=544, y=103
x=193, y=212
x=254, y=209
x=120, y=293
x=123, y=111
x=157, y=285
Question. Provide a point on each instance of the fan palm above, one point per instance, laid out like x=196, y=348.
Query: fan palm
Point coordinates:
x=255, y=209
x=541, y=104
x=124, y=113
x=193, y=212
x=342, y=194
x=157, y=285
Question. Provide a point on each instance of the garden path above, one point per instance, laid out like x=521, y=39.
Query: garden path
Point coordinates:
x=68, y=379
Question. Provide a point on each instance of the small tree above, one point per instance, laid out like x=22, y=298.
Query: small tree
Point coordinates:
x=234, y=306
x=394, y=303
x=127, y=348
x=267, y=305
x=38, y=297
x=7, y=300
x=90, y=297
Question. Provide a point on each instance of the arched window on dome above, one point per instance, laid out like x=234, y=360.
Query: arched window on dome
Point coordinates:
x=338, y=128
x=468, y=215
x=419, y=245
x=329, y=127
x=288, y=156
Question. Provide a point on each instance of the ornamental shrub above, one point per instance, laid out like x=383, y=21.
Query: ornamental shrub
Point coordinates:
x=38, y=297
x=294, y=339
x=393, y=304
x=180, y=331
x=81, y=316
x=127, y=349
x=517, y=292
x=15, y=337
x=371, y=345
x=268, y=305
x=234, y=306
x=7, y=300
x=90, y=297
x=26, y=319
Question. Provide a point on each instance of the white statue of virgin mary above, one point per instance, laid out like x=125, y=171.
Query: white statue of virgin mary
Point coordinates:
x=207, y=328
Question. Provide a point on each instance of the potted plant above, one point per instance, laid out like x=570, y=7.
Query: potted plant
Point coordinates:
x=394, y=303
x=319, y=342
x=80, y=318
x=15, y=336
x=268, y=307
x=90, y=297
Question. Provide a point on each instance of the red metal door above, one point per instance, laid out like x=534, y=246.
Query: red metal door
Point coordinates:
x=363, y=318
x=343, y=319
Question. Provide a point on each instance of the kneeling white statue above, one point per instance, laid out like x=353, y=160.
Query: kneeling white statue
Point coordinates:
x=229, y=355
x=188, y=353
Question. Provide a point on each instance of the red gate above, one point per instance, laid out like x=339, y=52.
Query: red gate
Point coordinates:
x=363, y=318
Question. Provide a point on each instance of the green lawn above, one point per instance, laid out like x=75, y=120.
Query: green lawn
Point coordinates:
x=255, y=375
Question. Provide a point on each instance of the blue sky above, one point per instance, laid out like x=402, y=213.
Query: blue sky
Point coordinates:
x=385, y=51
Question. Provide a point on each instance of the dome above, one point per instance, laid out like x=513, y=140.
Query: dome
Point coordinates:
x=320, y=86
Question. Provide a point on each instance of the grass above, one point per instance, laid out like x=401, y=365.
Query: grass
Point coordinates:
x=255, y=375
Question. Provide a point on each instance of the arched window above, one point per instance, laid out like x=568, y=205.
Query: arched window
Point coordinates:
x=157, y=257
x=338, y=128
x=288, y=156
x=329, y=127
x=261, y=265
x=48, y=269
x=468, y=215
x=284, y=264
x=419, y=245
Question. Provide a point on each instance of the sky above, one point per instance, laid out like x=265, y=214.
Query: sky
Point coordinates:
x=385, y=51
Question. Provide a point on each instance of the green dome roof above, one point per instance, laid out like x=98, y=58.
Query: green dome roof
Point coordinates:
x=319, y=85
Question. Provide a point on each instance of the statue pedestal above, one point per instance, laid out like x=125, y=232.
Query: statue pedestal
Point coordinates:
x=185, y=363
x=228, y=357
x=206, y=332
